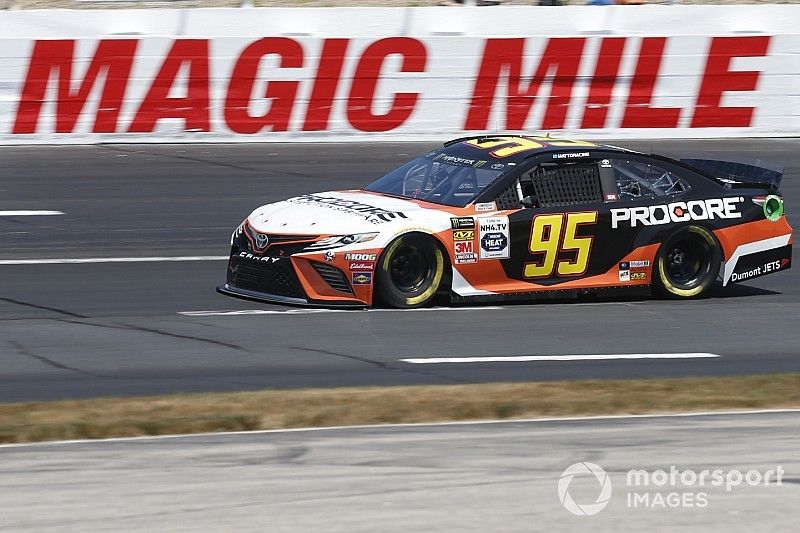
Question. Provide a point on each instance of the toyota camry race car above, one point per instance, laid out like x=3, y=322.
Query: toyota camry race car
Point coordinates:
x=517, y=217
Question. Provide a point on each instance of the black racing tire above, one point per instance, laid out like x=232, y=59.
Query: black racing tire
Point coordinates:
x=410, y=271
x=687, y=263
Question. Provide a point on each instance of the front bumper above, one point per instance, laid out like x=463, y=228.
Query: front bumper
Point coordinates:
x=284, y=300
x=290, y=280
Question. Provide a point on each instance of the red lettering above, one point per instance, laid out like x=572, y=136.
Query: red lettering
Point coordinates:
x=112, y=60
x=638, y=112
x=718, y=78
x=281, y=94
x=365, y=80
x=325, y=83
x=562, y=57
x=603, y=81
x=192, y=108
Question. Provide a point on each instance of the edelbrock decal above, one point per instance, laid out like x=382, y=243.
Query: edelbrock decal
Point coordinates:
x=655, y=215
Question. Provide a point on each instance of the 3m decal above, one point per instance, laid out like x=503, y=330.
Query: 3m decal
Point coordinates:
x=551, y=237
x=494, y=238
x=656, y=215
x=464, y=247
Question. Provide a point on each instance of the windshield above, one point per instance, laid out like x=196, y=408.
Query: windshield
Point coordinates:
x=439, y=178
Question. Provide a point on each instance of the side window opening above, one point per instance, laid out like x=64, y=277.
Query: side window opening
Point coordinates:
x=639, y=178
x=554, y=185
x=565, y=184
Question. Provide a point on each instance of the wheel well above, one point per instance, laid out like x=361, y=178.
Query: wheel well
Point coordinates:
x=448, y=265
x=659, y=279
x=705, y=232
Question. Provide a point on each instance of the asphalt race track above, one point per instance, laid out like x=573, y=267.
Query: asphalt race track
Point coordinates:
x=119, y=328
x=461, y=477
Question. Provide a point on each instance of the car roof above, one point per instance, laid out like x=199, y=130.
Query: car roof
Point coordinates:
x=516, y=148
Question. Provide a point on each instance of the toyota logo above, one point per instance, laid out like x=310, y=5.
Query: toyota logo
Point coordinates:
x=262, y=240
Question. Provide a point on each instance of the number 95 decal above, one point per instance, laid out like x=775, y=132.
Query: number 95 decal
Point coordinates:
x=556, y=233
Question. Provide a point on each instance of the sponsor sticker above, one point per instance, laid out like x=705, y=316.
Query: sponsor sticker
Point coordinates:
x=638, y=275
x=464, y=247
x=455, y=160
x=330, y=256
x=655, y=215
x=483, y=208
x=362, y=278
x=624, y=271
x=372, y=214
x=462, y=222
x=360, y=257
x=605, y=163
x=463, y=235
x=639, y=264
x=463, y=259
x=367, y=265
x=494, y=237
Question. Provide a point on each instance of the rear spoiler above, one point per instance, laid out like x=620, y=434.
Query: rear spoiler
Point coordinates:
x=738, y=172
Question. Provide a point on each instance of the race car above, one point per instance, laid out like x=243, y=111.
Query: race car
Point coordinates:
x=510, y=217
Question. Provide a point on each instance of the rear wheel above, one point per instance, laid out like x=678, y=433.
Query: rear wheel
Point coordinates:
x=410, y=271
x=687, y=263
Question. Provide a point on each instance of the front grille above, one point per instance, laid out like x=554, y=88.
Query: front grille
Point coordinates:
x=567, y=185
x=276, y=278
x=333, y=277
x=279, y=245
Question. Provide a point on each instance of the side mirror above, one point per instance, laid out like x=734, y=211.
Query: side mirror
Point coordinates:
x=528, y=201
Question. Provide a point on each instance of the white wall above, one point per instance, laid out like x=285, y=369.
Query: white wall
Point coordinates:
x=703, y=71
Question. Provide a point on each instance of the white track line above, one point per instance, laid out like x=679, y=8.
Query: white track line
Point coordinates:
x=81, y=261
x=244, y=312
x=410, y=425
x=24, y=213
x=527, y=358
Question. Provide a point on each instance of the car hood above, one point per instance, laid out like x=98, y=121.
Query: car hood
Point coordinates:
x=336, y=212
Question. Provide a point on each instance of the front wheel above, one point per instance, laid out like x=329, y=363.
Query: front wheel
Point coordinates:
x=410, y=271
x=688, y=263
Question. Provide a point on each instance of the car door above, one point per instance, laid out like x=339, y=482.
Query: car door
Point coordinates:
x=577, y=229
